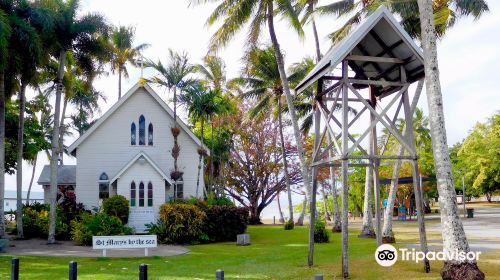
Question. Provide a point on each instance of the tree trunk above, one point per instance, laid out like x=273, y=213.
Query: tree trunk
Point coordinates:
x=31, y=180
x=300, y=219
x=325, y=204
x=200, y=159
x=282, y=220
x=316, y=39
x=337, y=223
x=2, y=152
x=387, y=234
x=55, y=143
x=453, y=233
x=19, y=167
x=62, y=131
x=285, y=163
x=119, y=82
x=289, y=99
x=367, y=230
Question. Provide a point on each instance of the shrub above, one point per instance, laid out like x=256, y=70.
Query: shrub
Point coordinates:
x=213, y=200
x=289, y=225
x=36, y=222
x=117, y=206
x=179, y=223
x=99, y=224
x=223, y=223
x=320, y=232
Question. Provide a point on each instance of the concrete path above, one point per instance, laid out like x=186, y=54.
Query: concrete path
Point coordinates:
x=39, y=247
x=483, y=231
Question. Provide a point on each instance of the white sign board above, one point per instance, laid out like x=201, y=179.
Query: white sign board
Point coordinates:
x=124, y=242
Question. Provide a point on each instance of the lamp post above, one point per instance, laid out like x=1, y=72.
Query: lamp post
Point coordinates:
x=463, y=195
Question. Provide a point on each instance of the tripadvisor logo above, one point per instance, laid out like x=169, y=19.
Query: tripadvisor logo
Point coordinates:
x=386, y=255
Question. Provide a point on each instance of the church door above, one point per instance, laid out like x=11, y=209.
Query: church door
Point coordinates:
x=141, y=206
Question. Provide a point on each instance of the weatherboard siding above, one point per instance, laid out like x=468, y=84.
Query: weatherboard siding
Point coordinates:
x=108, y=148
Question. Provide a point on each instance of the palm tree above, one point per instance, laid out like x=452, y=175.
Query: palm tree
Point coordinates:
x=454, y=239
x=174, y=76
x=422, y=141
x=235, y=15
x=26, y=53
x=122, y=51
x=5, y=32
x=213, y=71
x=202, y=104
x=446, y=14
x=80, y=35
x=85, y=99
x=264, y=82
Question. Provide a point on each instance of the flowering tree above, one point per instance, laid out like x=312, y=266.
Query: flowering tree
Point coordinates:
x=255, y=174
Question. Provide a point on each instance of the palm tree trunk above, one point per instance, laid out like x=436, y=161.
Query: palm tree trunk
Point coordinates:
x=31, y=180
x=367, y=227
x=387, y=234
x=289, y=99
x=282, y=220
x=19, y=167
x=453, y=233
x=2, y=152
x=119, y=82
x=325, y=203
x=62, y=131
x=300, y=219
x=285, y=162
x=55, y=144
x=337, y=224
x=200, y=160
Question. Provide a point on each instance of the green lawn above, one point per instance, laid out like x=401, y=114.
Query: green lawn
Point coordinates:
x=274, y=254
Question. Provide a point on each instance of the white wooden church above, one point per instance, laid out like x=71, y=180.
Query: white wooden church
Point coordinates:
x=128, y=152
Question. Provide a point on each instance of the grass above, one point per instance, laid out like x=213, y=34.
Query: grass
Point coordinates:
x=274, y=254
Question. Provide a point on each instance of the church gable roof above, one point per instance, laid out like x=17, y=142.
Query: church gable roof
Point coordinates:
x=123, y=100
x=139, y=156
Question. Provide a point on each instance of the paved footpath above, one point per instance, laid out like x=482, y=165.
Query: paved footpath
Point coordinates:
x=483, y=231
x=39, y=247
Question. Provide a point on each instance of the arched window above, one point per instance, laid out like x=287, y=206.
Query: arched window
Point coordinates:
x=132, y=194
x=103, y=186
x=141, y=194
x=104, y=177
x=150, y=134
x=142, y=130
x=150, y=194
x=132, y=134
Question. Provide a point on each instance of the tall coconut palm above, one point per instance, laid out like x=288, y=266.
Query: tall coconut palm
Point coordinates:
x=213, y=72
x=81, y=35
x=234, y=16
x=5, y=32
x=304, y=103
x=122, y=39
x=202, y=104
x=264, y=82
x=454, y=239
x=422, y=141
x=26, y=53
x=175, y=76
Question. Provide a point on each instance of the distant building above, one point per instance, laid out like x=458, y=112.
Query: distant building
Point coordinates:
x=66, y=179
x=10, y=199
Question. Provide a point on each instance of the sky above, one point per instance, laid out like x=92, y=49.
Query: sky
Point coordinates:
x=468, y=57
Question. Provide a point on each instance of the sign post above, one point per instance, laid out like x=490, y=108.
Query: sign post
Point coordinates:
x=124, y=242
